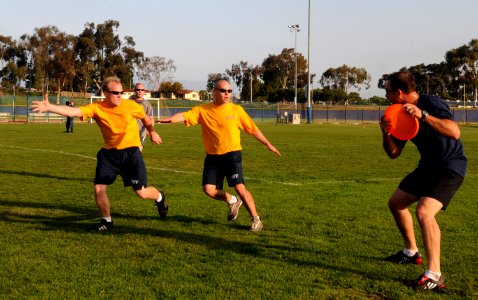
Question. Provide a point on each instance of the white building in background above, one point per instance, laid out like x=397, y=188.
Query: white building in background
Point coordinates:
x=188, y=95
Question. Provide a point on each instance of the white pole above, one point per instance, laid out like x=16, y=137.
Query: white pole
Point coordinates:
x=295, y=79
x=295, y=29
x=309, y=102
x=13, y=104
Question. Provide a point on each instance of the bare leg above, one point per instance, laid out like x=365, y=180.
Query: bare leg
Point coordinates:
x=426, y=211
x=149, y=192
x=212, y=191
x=398, y=205
x=102, y=200
x=246, y=196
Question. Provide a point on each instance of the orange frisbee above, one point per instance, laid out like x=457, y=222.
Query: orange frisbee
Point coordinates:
x=404, y=126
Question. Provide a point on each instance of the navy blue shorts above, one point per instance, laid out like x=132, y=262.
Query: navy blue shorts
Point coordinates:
x=127, y=162
x=218, y=167
x=440, y=184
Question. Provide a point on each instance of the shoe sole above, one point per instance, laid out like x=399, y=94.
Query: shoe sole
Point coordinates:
x=235, y=217
x=257, y=229
x=413, y=284
x=163, y=213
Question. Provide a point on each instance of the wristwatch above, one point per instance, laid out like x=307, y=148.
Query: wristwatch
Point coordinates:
x=424, y=115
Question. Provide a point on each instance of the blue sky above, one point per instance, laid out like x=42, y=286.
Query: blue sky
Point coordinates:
x=208, y=36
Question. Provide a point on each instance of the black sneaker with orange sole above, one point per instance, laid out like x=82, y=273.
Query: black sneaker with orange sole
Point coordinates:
x=402, y=258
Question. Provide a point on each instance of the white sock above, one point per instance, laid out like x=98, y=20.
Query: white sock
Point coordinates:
x=108, y=219
x=432, y=275
x=233, y=200
x=159, y=198
x=409, y=252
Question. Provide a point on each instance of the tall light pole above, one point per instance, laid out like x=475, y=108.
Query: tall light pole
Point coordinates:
x=309, y=102
x=295, y=29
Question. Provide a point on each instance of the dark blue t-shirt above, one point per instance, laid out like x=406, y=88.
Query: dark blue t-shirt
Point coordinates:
x=436, y=151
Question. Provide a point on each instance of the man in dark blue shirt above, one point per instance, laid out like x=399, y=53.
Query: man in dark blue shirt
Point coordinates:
x=440, y=172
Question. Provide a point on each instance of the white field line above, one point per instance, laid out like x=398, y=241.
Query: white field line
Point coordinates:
x=198, y=173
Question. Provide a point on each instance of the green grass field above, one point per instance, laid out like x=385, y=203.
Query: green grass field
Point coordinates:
x=326, y=231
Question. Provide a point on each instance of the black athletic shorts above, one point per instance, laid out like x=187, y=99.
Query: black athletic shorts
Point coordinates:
x=125, y=162
x=440, y=184
x=228, y=165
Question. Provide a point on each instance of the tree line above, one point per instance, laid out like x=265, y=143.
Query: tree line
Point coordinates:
x=274, y=80
x=53, y=60
x=454, y=78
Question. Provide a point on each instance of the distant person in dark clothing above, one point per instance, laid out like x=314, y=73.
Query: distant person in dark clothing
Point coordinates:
x=69, y=120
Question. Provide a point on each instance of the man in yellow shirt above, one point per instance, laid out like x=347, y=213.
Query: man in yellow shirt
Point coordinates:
x=120, y=154
x=221, y=122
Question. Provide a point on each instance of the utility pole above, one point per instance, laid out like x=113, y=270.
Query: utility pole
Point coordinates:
x=295, y=29
x=309, y=102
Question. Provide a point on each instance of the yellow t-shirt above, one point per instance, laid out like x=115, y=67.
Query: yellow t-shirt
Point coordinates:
x=118, y=124
x=220, y=126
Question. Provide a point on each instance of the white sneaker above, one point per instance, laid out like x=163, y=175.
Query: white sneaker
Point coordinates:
x=256, y=224
x=234, y=210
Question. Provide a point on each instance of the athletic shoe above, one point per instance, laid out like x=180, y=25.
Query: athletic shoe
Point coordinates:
x=256, y=224
x=162, y=206
x=425, y=283
x=103, y=225
x=234, y=210
x=402, y=258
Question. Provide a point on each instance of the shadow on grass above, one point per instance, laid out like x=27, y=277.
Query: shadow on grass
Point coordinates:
x=268, y=247
x=73, y=222
x=40, y=175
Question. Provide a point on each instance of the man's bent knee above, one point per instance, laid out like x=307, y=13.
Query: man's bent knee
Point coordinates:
x=141, y=193
x=210, y=190
x=100, y=188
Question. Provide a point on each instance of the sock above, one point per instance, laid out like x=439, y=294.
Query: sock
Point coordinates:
x=159, y=198
x=256, y=218
x=108, y=219
x=432, y=275
x=233, y=200
x=409, y=252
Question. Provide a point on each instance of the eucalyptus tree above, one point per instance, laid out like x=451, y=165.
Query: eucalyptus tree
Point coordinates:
x=101, y=52
x=62, y=68
x=246, y=78
x=170, y=87
x=39, y=45
x=6, y=45
x=155, y=70
x=85, y=61
x=213, y=77
x=238, y=73
x=13, y=62
x=114, y=57
x=345, y=77
x=464, y=60
x=132, y=59
x=278, y=73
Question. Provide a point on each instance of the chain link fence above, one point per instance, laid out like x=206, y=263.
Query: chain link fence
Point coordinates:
x=18, y=109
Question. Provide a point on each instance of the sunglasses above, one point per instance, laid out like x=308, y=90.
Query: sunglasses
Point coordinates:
x=115, y=92
x=139, y=90
x=224, y=90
